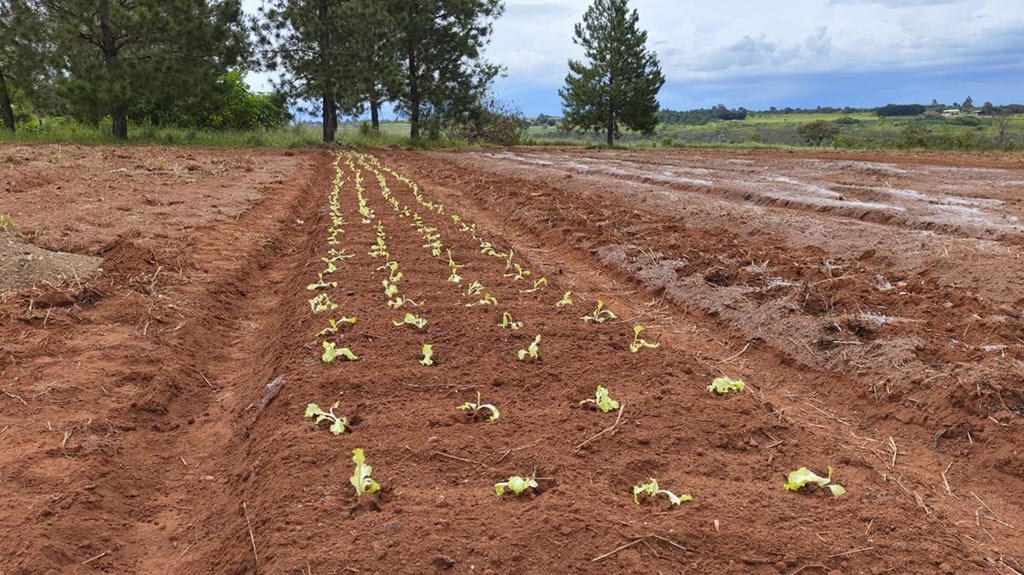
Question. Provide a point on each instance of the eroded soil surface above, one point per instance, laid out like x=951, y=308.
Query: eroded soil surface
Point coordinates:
x=151, y=412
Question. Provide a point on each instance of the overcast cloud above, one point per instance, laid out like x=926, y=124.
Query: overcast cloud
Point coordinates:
x=799, y=53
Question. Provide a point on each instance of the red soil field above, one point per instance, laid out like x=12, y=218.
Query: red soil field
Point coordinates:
x=158, y=350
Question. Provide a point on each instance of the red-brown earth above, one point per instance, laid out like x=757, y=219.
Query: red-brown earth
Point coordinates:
x=156, y=366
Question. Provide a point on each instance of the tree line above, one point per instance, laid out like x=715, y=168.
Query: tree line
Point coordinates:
x=178, y=61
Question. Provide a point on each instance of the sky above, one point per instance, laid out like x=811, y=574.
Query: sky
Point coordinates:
x=793, y=53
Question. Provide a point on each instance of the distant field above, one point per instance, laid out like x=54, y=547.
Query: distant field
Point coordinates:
x=862, y=130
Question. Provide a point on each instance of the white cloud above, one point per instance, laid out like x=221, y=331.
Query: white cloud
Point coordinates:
x=777, y=46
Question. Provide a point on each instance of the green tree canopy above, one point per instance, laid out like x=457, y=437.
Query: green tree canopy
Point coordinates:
x=816, y=132
x=130, y=57
x=24, y=51
x=439, y=42
x=620, y=81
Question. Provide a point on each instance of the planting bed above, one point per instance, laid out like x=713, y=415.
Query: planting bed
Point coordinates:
x=154, y=378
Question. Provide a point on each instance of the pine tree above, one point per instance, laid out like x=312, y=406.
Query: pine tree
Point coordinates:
x=23, y=54
x=621, y=82
x=128, y=57
x=439, y=45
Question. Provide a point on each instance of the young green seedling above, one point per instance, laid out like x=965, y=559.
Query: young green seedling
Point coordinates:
x=516, y=485
x=723, y=385
x=413, y=320
x=519, y=274
x=602, y=400
x=335, y=326
x=530, y=351
x=338, y=423
x=478, y=408
x=475, y=288
x=639, y=343
x=651, y=489
x=428, y=354
x=803, y=476
x=600, y=314
x=361, y=479
x=536, y=286
x=331, y=353
x=321, y=284
x=506, y=321
x=566, y=300
x=399, y=301
x=488, y=299
x=322, y=303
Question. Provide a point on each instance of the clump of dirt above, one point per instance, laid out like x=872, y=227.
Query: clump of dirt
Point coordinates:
x=24, y=265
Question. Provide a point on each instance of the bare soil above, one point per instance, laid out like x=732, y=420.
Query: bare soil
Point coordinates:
x=151, y=408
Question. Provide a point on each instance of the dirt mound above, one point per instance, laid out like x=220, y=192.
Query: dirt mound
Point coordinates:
x=23, y=265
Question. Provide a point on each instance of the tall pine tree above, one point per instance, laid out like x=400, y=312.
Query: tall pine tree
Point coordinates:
x=620, y=83
x=128, y=57
x=439, y=44
x=24, y=51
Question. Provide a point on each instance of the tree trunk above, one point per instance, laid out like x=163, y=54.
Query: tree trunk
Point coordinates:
x=330, y=119
x=375, y=115
x=118, y=109
x=119, y=115
x=414, y=96
x=330, y=104
x=5, y=103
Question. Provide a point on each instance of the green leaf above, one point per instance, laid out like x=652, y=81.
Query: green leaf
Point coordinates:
x=331, y=353
x=531, y=351
x=602, y=400
x=600, y=315
x=652, y=489
x=638, y=343
x=723, y=385
x=428, y=353
x=566, y=300
x=515, y=484
x=337, y=423
x=803, y=476
x=361, y=479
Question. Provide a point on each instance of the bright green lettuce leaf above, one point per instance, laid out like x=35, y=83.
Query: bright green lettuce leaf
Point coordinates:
x=723, y=385
x=651, y=489
x=361, y=479
x=515, y=484
x=803, y=476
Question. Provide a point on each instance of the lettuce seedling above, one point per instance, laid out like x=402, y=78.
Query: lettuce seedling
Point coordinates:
x=475, y=288
x=600, y=314
x=803, y=476
x=531, y=350
x=428, y=353
x=335, y=326
x=651, y=489
x=361, y=479
x=488, y=299
x=566, y=300
x=536, y=286
x=639, y=343
x=519, y=274
x=338, y=423
x=413, y=320
x=506, y=321
x=321, y=284
x=515, y=484
x=602, y=400
x=331, y=353
x=322, y=303
x=399, y=301
x=723, y=385
x=390, y=289
x=478, y=407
